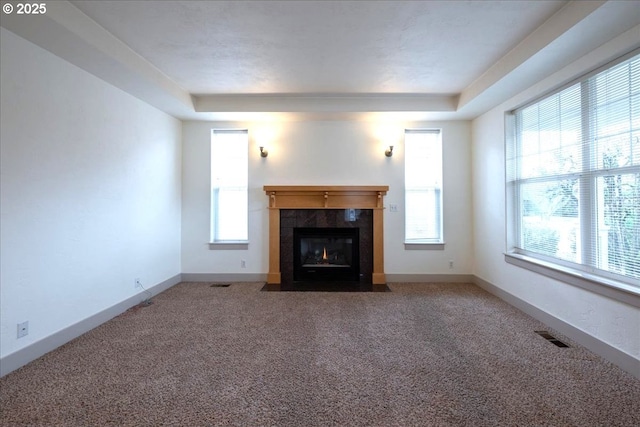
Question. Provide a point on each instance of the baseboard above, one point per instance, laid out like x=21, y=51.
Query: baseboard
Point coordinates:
x=601, y=348
x=262, y=277
x=39, y=348
x=224, y=277
x=21, y=357
x=430, y=278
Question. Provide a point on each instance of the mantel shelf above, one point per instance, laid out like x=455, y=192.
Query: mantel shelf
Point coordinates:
x=329, y=196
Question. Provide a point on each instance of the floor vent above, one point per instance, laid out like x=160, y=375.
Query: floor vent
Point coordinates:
x=220, y=285
x=546, y=335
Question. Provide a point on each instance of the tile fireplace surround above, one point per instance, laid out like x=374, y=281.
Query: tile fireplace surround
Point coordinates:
x=325, y=197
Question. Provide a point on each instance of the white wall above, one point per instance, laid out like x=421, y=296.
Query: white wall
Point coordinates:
x=608, y=320
x=90, y=194
x=333, y=153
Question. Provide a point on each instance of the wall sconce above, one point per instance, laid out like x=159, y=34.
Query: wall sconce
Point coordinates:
x=264, y=152
x=389, y=151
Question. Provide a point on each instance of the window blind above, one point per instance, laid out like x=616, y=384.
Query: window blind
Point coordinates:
x=423, y=186
x=229, y=185
x=573, y=171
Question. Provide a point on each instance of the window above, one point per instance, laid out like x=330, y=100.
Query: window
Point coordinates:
x=573, y=175
x=229, y=182
x=423, y=186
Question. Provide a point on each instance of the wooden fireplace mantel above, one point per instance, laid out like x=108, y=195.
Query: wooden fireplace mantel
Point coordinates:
x=325, y=197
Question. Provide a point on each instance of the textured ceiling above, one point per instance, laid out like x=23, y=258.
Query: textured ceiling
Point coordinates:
x=334, y=60
x=233, y=47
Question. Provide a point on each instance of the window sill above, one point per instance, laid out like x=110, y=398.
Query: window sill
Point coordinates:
x=229, y=245
x=614, y=289
x=424, y=246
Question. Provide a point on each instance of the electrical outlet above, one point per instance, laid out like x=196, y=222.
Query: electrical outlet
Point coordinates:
x=243, y=263
x=23, y=329
x=137, y=283
x=450, y=264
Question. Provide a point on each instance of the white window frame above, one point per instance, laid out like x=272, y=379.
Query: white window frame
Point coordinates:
x=432, y=220
x=229, y=168
x=582, y=273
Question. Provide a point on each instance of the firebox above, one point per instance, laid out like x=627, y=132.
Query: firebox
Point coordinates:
x=326, y=254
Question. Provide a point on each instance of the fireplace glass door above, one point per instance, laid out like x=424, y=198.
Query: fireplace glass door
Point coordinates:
x=327, y=254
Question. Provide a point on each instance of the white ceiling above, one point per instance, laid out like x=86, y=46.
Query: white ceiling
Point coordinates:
x=332, y=59
x=236, y=47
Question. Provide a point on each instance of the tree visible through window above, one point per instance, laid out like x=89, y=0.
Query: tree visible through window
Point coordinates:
x=573, y=174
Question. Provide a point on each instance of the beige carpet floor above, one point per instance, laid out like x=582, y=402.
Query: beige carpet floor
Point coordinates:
x=420, y=355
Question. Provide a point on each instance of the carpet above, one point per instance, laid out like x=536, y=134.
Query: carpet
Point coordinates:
x=420, y=355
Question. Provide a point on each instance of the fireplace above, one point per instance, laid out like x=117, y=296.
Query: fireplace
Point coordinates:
x=326, y=254
x=318, y=207
x=332, y=247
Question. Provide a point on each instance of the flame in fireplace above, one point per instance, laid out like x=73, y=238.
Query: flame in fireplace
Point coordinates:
x=324, y=254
